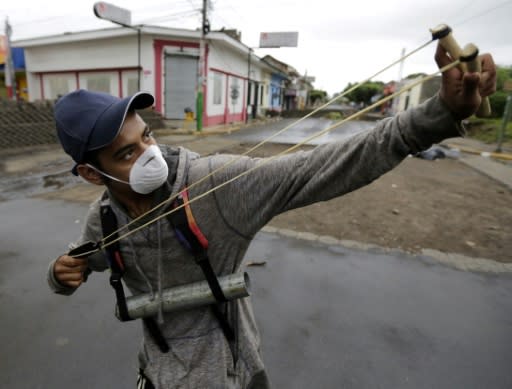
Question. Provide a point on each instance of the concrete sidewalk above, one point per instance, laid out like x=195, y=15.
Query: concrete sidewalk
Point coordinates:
x=481, y=157
x=496, y=170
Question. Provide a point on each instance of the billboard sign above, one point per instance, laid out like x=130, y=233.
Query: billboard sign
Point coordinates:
x=278, y=39
x=115, y=14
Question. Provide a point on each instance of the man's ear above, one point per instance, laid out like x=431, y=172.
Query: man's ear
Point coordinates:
x=90, y=175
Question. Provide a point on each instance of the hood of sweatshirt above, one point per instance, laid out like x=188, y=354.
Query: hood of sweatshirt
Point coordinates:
x=178, y=161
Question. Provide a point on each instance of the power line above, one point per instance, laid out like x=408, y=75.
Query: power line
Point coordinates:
x=221, y=57
x=170, y=17
x=230, y=6
x=461, y=10
x=68, y=15
x=193, y=5
x=227, y=23
x=45, y=20
x=464, y=21
x=164, y=5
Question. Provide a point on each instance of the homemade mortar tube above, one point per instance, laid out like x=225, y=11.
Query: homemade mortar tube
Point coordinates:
x=187, y=296
x=446, y=39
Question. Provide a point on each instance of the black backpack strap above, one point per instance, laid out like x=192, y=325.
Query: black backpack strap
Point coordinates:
x=116, y=264
x=193, y=240
x=108, y=226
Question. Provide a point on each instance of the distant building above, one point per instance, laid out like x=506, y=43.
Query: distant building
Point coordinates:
x=417, y=94
x=237, y=85
x=388, y=89
x=288, y=89
x=18, y=59
x=278, y=82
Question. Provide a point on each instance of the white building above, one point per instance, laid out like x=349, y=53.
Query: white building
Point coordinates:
x=108, y=60
x=416, y=95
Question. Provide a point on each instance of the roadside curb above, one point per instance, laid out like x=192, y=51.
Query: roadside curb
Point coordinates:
x=497, y=166
x=492, y=169
x=503, y=156
x=452, y=260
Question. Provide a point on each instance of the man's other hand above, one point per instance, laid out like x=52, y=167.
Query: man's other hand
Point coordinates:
x=70, y=271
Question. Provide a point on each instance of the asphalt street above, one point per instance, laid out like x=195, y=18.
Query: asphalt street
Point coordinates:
x=330, y=317
x=301, y=131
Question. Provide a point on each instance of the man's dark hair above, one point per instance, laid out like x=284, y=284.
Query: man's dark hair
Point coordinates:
x=91, y=157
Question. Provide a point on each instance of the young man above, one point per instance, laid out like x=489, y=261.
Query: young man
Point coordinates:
x=112, y=146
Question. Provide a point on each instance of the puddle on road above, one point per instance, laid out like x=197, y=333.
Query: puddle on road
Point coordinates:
x=20, y=186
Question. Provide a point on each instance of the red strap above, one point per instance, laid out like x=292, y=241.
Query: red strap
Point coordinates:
x=192, y=222
x=119, y=260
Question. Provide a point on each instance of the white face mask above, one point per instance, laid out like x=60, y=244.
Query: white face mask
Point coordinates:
x=148, y=173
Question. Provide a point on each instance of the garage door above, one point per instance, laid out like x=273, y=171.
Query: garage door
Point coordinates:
x=180, y=85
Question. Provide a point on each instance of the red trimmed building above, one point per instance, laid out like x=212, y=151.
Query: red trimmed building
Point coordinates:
x=108, y=60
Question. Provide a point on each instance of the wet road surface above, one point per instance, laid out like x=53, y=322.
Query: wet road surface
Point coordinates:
x=330, y=317
x=301, y=131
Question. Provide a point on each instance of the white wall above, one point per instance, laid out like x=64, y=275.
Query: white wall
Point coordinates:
x=88, y=56
x=95, y=59
x=102, y=53
x=410, y=98
x=222, y=57
x=147, y=58
x=235, y=66
x=267, y=77
x=236, y=63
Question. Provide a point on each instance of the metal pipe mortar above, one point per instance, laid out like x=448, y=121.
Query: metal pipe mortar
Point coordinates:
x=234, y=286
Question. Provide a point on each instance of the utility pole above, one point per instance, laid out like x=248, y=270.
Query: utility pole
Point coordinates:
x=10, y=75
x=248, y=84
x=507, y=114
x=205, y=29
x=398, y=85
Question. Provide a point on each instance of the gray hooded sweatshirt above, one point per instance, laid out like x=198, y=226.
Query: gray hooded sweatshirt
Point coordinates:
x=200, y=356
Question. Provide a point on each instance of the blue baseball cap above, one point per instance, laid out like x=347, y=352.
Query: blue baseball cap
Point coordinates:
x=88, y=121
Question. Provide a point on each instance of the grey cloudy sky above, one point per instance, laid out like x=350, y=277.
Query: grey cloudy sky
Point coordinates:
x=339, y=41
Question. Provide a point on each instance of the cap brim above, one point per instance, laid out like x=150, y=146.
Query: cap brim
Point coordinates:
x=141, y=100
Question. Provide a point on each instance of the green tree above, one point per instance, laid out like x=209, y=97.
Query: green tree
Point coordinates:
x=412, y=76
x=365, y=92
x=502, y=74
x=317, y=96
x=499, y=99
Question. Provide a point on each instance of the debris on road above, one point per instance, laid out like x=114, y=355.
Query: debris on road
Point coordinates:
x=256, y=263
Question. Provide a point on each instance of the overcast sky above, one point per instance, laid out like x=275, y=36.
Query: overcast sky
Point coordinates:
x=339, y=41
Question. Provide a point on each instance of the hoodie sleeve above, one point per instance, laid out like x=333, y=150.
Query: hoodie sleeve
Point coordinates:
x=328, y=171
x=96, y=262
